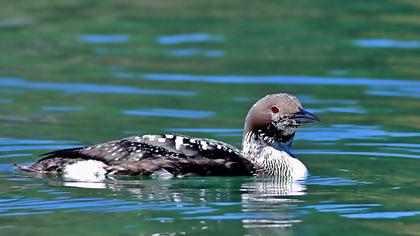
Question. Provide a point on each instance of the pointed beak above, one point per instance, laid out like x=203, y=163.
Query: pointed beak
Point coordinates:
x=304, y=116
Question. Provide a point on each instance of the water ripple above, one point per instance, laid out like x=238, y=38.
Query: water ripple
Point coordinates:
x=190, y=38
x=388, y=87
x=6, y=141
x=306, y=99
x=333, y=132
x=87, y=88
x=386, y=43
x=354, y=110
x=170, y=113
x=20, y=205
x=342, y=208
x=206, y=130
x=382, y=215
x=56, y=108
x=242, y=215
x=373, y=154
x=195, y=52
x=16, y=22
x=26, y=148
x=279, y=79
x=324, y=181
x=102, y=39
x=347, y=131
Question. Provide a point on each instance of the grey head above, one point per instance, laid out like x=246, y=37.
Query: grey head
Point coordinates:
x=276, y=117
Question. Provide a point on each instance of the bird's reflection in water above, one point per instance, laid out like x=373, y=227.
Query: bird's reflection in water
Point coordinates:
x=265, y=189
x=269, y=189
x=258, y=202
x=272, y=195
x=81, y=184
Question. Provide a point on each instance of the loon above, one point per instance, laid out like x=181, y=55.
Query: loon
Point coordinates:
x=270, y=126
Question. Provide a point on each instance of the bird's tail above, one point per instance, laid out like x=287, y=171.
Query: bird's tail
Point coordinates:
x=52, y=161
x=69, y=153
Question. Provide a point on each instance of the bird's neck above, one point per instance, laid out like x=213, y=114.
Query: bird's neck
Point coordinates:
x=254, y=142
x=271, y=155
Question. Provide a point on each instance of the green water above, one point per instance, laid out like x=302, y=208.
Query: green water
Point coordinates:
x=82, y=72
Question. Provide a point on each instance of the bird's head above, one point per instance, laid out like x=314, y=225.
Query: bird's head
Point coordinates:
x=277, y=115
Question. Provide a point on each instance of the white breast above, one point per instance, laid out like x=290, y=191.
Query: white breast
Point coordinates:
x=281, y=163
x=299, y=170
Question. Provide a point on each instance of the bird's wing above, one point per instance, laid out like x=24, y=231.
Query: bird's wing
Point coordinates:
x=178, y=154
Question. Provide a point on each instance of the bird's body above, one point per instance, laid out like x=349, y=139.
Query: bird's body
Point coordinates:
x=177, y=154
x=268, y=134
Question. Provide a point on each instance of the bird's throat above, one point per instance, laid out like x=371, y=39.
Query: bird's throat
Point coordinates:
x=270, y=155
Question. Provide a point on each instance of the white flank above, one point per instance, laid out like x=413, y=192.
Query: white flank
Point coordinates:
x=87, y=171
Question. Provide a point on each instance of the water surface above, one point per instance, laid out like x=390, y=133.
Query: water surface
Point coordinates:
x=79, y=73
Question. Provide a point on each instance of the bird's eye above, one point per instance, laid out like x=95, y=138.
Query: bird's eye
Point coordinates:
x=275, y=109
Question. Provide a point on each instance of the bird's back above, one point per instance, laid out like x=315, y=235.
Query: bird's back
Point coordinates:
x=179, y=155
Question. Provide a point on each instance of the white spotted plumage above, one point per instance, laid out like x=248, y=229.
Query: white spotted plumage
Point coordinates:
x=179, y=141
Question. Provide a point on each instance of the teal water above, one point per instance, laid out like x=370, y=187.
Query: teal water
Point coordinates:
x=82, y=72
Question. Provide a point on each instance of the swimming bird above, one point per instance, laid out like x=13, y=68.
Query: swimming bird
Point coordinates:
x=270, y=126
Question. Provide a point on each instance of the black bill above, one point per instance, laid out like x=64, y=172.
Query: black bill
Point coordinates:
x=304, y=116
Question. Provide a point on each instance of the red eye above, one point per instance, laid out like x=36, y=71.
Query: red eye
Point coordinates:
x=275, y=109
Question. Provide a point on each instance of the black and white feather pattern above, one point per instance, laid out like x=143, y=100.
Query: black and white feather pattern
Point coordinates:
x=268, y=134
x=180, y=155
